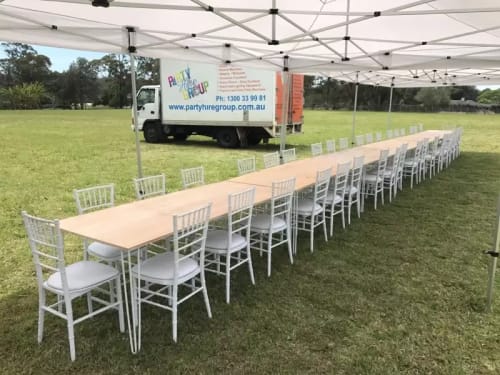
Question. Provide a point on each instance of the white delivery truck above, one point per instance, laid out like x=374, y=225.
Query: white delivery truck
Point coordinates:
x=232, y=104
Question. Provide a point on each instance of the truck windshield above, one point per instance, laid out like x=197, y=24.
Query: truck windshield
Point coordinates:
x=145, y=96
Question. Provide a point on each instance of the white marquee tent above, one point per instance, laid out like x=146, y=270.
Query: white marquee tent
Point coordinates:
x=438, y=41
x=397, y=43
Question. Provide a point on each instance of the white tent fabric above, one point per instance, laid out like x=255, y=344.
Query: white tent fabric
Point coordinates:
x=419, y=43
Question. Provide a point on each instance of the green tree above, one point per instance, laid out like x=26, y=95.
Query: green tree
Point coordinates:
x=489, y=96
x=79, y=83
x=23, y=96
x=115, y=71
x=23, y=64
x=148, y=71
x=432, y=97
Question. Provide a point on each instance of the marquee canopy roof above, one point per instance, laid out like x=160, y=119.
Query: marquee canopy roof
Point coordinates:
x=407, y=43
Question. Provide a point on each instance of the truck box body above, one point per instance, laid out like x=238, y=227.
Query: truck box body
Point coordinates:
x=233, y=104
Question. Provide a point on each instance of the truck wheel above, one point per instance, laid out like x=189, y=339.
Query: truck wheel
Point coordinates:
x=227, y=138
x=181, y=136
x=253, y=139
x=153, y=133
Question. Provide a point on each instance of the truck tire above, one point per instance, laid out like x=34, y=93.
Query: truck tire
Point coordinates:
x=181, y=136
x=253, y=139
x=227, y=138
x=153, y=133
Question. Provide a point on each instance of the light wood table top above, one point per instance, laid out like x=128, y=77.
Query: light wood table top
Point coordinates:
x=132, y=225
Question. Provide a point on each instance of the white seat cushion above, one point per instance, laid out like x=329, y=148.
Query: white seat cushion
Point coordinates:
x=372, y=178
x=410, y=162
x=103, y=251
x=160, y=269
x=83, y=275
x=217, y=241
x=351, y=190
x=305, y=207
x=261, y=223
x=336, y=199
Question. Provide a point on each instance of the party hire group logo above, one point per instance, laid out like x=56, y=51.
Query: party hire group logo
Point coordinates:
x=188, y=86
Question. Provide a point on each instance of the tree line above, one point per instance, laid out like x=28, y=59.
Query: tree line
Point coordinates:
x=27, y=82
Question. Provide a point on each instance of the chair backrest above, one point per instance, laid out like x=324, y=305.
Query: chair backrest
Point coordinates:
x=390, y=133
x=413, y=129
x=239, y=216
x=246, y=165
x=281, y=201
x=330, y=145
x=433, y=146
x=289, y=155
x=343, y=143
x=47, y=247
x=271, y=159
x=418, y=150
x=402, y=131
x=190, y=234
x=420, y=127
x=357, y=171
x=395, y=162
x=149, y=186
x=425, y=149
x=382, y=163
x=395, y=132
x=94, y=198
x=316, y=149
x=321, y=186
x=369, y=137
x=360, y=140
x=378, y=136
x=193, y=177
x=402, y=157
x=341, y=178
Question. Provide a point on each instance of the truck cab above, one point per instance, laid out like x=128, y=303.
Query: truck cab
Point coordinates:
x=148, y=113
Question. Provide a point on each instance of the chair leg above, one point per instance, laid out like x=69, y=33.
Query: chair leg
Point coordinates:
x=269, y=250
x=358, y=205
x=41, y=314
x=331, y=220
x=71, y=331
x=343, y=218
x=121, y=319
x=250, y=265
x=311, y=235
x=349, y=213
x=228, y=277
x=89, y=298
x=289, y=243
x=324, y=228
x=174, y=312
x=205, y=293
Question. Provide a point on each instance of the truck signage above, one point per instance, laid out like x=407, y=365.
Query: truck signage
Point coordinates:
x=193, y=90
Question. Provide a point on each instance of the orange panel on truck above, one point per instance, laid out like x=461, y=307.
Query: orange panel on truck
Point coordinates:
x=295, y=111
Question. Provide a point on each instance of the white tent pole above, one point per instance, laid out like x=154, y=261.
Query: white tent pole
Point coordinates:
x=494, y=257
x=354, y=110
x=131, y=49
x=285, y=98
x=389, y=117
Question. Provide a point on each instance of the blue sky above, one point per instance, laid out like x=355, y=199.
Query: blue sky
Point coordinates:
x=61, y=58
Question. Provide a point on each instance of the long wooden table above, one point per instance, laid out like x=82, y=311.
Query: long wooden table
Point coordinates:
x=133, y=225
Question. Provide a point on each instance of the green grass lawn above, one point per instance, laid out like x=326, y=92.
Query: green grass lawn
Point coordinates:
x=402, y=290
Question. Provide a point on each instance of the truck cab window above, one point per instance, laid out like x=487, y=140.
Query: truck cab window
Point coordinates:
x=145, y=96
